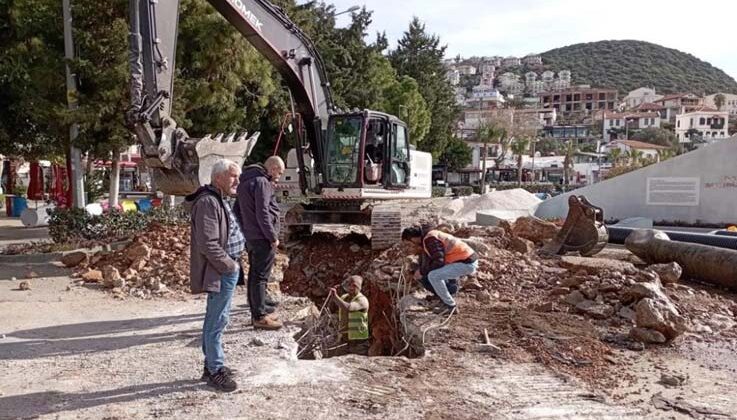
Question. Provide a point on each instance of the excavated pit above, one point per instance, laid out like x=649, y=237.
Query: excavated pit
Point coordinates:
x=323, y=260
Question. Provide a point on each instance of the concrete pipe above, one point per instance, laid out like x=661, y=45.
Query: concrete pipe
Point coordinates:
x=701, y=262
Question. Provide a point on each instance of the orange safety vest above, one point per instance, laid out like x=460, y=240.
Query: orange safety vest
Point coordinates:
x=455, y=249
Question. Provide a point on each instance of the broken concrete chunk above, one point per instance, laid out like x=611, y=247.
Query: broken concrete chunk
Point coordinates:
x=596, y=265
x=534, y=229
x=521, y=245
x=137, y=251
x=594, y=309
x=660, y=315
x=668, y=273
x=646, y=335
x=92, y=276
x=574, y=298
x=73, y=259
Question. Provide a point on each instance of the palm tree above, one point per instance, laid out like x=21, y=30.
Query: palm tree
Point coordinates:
x=614, y=156
x=634, y=156
x=665, y=154
x=488, y=132
x=519, y=147
x=568, y=162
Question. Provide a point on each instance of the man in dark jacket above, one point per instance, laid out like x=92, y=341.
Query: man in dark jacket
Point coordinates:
x=259, y=218
x=444, y=259
x=216, y=247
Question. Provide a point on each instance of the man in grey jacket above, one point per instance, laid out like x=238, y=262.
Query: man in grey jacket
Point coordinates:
x=216, y=247
x=259, y=218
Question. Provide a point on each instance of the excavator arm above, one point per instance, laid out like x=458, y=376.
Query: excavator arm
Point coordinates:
x=181, y=163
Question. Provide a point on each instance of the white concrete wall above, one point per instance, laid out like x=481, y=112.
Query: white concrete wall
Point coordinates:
x=710, y=170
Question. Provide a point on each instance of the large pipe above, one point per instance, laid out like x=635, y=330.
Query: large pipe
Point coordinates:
x=618, y=235
x=701, y=262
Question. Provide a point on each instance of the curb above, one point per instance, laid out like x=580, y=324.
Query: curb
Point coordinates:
x=56, y=256
x=31, y=258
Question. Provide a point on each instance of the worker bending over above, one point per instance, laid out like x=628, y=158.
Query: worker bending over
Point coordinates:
x=444, y=259
x=353, y=316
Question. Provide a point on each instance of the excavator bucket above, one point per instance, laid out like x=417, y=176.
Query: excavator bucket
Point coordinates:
x=193, y=159
x=583, y=231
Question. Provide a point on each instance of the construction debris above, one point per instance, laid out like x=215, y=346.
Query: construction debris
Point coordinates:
x=568, y=313
x=73, y=259
x=154, y=263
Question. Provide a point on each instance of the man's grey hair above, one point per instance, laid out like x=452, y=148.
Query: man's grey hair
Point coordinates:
x=223, y=165
x=274, y=161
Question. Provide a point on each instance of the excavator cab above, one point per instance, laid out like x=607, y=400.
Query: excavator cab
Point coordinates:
x=366, y=149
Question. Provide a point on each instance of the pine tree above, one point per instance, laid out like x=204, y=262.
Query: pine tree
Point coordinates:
x=420, y=56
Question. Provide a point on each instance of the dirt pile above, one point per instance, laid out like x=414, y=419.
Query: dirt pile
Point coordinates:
x=155, y=263
x=572, y=314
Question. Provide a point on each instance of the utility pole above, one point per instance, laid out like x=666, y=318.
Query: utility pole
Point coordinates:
x=76, y=175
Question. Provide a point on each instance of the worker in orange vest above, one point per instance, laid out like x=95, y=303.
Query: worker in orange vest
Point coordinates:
x=444, y=259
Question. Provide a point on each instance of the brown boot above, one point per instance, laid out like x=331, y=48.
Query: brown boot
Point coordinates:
x=268, y=322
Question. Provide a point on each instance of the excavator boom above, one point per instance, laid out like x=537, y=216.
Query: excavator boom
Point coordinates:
x=181, y=163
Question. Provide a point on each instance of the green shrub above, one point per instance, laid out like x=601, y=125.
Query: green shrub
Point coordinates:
x=462, y=190
x=532, y=188
x=438, y=191
x=76, y=225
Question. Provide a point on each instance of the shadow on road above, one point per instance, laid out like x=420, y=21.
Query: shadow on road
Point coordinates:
x=52, y=402
x=31, y=271
x=93, y=337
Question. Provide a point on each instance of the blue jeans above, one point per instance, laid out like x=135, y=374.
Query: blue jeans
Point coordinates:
x=444, y=280
x=217, y=316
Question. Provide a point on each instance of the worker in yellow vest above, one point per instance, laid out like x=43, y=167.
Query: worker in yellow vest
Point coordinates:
x=353, y=315
x=444, y=259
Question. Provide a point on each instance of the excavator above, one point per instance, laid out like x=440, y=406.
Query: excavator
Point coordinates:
x=347, y=167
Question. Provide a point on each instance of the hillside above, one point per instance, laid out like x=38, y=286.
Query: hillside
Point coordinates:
x=627, y=65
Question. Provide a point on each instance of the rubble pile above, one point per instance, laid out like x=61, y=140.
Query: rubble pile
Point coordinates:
x=317, y=263
x=154, y=263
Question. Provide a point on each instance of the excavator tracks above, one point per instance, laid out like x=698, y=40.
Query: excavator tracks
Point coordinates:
x=386, y=226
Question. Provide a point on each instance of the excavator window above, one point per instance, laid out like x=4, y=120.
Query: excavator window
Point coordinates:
x=343, y=147
x=399, y=169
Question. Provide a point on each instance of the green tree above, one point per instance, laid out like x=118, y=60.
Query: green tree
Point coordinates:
x=491, y=131
x=659, y=136
x=457, y=155
x=719, y=100
x=570, y=152
x=420, y=56
x=634, y=156
x=614, y=156
x=33, y=121
x=519, y=147
x=404, y=100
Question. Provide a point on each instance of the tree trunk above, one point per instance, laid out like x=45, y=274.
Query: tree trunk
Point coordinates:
x=519, y=170
x=482, y=183
x=114, y=180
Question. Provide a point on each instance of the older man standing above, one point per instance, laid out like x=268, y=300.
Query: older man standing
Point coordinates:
x=259, y=217
x=216, y=248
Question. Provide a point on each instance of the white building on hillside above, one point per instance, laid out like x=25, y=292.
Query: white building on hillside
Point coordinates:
x=511, y=61
x=622, y=121
x=729, y=105
x=648, y=150
x=640, y=96
x=454, y=76
x=466, y=69
x=707, y=123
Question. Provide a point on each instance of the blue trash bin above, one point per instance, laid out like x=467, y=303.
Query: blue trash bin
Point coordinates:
x=144, y=205
x=19, y=204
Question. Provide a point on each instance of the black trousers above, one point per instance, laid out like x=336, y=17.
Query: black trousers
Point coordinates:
x=261, y=255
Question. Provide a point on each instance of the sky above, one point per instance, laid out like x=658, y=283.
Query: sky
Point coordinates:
x=519, y=27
